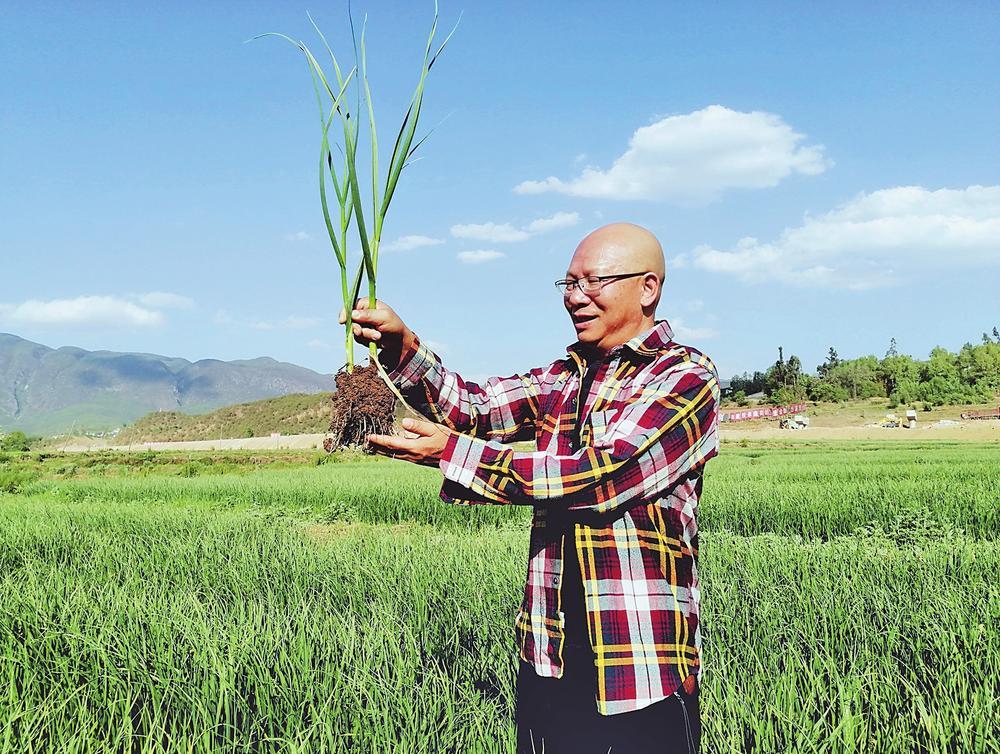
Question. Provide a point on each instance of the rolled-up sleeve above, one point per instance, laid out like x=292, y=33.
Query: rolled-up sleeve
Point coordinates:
x=666, y=431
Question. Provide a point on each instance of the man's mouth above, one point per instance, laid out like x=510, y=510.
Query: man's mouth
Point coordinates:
x=582, y=320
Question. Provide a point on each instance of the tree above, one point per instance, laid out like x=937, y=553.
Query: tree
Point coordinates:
x=832, y=362
x=858, y=377
x=16, y=441
x=942, y=383
x=748, y=384
x=793, y=371
x=824, y=390
x=900, y=375
x=979, y=366
x=775, y=376
x=779, y=368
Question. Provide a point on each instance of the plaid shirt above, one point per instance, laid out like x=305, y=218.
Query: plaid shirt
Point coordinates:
x=630, y=474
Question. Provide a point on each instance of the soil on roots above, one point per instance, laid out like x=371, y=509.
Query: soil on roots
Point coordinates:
x=362, y=404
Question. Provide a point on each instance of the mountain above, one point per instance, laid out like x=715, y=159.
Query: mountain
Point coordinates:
x=48, y=390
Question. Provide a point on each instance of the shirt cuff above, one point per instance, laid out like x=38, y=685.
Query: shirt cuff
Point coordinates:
x=414, y=363
x=459, y=463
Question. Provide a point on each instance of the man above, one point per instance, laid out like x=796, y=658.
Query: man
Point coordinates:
x=608, y=629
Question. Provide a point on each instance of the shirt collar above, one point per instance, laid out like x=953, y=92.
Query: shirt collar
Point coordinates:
x=648, y=343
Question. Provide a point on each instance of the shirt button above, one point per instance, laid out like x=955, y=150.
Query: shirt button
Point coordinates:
x=555, y=581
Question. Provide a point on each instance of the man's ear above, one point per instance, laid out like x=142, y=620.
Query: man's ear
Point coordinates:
x=650, y=290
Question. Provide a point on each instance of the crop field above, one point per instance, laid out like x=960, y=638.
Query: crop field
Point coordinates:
x=271, y=603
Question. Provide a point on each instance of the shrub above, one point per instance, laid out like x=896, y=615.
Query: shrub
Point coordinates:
x=12, y=482
x=16, y=441
x=190, y=469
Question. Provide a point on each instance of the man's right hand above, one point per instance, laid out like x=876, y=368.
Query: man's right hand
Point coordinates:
x=381, y=326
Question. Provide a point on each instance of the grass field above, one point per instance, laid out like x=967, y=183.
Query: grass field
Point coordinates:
x=150, y=603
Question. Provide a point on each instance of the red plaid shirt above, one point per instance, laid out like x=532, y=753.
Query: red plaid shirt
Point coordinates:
x=631, y=471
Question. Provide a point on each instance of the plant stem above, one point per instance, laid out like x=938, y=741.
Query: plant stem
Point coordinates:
x=347, y=309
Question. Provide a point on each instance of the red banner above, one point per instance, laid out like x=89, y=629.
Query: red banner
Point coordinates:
x=761, y=412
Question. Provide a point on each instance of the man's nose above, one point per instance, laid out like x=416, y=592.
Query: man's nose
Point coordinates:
x=577, y=296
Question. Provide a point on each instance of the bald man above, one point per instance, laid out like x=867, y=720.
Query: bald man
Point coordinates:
x=608, y=633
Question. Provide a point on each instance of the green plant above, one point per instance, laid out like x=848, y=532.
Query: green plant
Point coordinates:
x=16, y=441
x=190, y=469
x=223, y=614
x=14, y=481
x=345, y=180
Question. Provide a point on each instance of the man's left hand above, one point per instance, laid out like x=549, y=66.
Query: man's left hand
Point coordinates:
x=422, y=443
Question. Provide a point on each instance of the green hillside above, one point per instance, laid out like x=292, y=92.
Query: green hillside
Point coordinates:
x=295, y=414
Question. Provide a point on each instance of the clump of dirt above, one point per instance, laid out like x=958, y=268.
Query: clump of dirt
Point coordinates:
x=362, y=404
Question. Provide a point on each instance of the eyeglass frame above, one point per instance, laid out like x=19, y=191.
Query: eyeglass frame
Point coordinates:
x=564, y=285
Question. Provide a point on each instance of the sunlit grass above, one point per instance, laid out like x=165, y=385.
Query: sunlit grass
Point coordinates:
x=345, y=608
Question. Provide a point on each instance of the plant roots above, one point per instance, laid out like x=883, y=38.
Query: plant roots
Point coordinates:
x=362, y=404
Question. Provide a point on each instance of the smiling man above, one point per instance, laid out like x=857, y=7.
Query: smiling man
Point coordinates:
x=608, y=632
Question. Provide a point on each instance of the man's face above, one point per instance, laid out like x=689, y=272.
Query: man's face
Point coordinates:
x=610, y=317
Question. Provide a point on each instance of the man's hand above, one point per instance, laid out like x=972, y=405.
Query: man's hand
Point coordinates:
x=381, y=326
x=423, y=443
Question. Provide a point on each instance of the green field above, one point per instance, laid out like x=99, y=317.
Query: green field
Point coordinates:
x=268, y=602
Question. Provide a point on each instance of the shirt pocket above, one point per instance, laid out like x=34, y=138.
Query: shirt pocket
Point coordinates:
x=598, y=426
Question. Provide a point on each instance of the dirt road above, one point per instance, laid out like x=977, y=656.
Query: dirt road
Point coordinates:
x=980, y=431
x=238, y=443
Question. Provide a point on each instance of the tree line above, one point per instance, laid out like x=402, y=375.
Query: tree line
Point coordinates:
x=970, y=376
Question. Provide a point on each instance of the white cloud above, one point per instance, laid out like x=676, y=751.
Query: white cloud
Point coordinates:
x=437, y=346
x=299, y=235
x=688, y=305
x=677, y=262
x=406, y=243
x=288, y=323
x=319, y=345
x=693, y=158
x=82, y=310
x=507, y=233
x=479, y=255
x=492, y=232
x=558, y=220
x=683, y=331
x=164, y=300
x=863, y=242
x=222, y=317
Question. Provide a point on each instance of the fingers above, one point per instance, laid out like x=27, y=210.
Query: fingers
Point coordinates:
x=373, y=317
x=361, y=311
x=389, y=443
x=418, y=427
x=364, y=334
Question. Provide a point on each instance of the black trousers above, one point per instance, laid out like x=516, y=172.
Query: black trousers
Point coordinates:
x=562, y=714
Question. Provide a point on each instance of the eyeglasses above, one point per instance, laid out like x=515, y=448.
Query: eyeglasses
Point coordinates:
x=592, y=283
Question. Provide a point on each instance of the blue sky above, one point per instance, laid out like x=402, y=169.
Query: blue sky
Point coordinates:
x=817, y=177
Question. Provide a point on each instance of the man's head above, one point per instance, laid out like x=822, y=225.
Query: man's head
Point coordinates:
x=624, y=307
